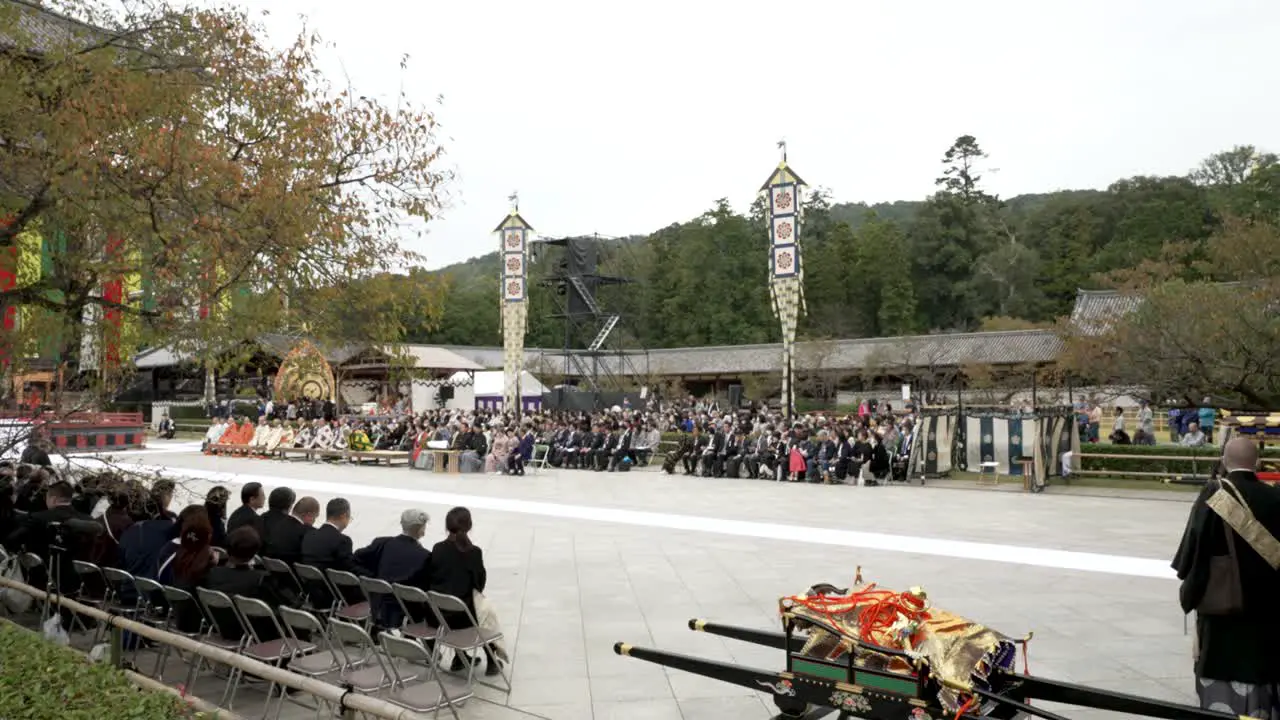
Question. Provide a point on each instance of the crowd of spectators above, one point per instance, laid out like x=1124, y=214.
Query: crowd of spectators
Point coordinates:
x=870, y=446
x=1188, y=426
x=703, y=439
x=116, y=522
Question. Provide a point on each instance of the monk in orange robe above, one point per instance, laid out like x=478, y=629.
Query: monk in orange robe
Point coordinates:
x=239, y=434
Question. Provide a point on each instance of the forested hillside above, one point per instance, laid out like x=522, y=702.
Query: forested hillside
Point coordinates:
x=960, y=259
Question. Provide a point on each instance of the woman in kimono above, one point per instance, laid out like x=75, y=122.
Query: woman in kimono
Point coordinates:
x=359, y=440
x=798, y=454
x=499, y=449
x=419, y=456
x=303, y=437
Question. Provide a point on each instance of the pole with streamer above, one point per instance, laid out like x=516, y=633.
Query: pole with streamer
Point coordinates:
x=786, y=273
x=513, y=237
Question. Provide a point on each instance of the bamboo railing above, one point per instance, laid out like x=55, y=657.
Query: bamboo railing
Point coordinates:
x=339, y=698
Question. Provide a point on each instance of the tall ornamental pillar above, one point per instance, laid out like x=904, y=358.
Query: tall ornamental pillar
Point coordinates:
x=786, y=275
x=513, y=238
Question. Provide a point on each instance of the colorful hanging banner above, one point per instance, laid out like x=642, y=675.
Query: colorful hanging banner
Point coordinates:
x=514, y=234
x=784, y=190
x=113, y=294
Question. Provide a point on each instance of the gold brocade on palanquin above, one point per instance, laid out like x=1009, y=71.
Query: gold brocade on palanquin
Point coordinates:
x=957, y=651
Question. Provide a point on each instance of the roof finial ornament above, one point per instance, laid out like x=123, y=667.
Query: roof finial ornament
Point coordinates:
x=514, y=199
x=782, y=145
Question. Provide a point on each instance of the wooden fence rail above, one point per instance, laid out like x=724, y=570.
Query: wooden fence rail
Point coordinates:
x=337, y=697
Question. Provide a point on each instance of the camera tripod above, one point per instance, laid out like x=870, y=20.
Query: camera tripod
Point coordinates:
x=53, y=581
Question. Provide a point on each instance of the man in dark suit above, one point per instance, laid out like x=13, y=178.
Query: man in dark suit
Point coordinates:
x=522, y=453
x=239, y=577
x=252, y=498
x=712, y=458
x=400, y=559
x=328, y=548
x=600, y=456
x=58, y=526
x=279, y=504
x=591, y=445
x=286, y=531
x=623, y=448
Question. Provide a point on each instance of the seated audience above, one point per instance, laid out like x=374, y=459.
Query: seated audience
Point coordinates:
x=646, y=444
x=115, y=522
x=457, y=568
x=471, y=447
x=880, y=464
x=215, y=503
x=8, y=514
x=252, y=498
x=239, y=577
x=60, y=526
x=260, y=433
x=322, y=438
x=305, y=435
x=217, y=427
x=359, y=440
x=279, y=504
x=401, y=560
x=189, y=565
x=285, y=531
x=172, y=542
x=282, y=439
x=36, y=453
x=1193, y=437
x=521, y=453
x=621, y=448
x=328, y=548
x=499, y=450
x=167, y=429
x=31, y=488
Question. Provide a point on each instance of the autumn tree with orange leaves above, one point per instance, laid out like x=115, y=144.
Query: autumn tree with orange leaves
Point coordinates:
x=181, y=182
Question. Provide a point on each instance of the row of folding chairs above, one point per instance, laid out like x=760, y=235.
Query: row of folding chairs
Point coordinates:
x=370, y=667
x=299, y=641
x=309, y=647
x=439, y=635
x=27, y=563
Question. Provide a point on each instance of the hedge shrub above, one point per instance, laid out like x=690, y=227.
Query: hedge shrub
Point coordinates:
x=39, y=680
x=1138, y=458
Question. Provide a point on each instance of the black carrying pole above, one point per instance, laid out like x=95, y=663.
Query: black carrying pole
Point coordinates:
x=1029, y=687
x=1035, y=688
x=767, y=638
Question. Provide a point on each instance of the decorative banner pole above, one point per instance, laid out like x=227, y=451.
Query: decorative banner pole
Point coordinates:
x=786, y=275
x=513, y=233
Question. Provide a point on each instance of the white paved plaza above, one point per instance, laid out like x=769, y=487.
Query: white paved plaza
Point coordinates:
x=579, y=560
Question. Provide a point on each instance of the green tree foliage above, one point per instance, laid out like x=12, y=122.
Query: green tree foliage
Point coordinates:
x=1186, y=340
x=218, y=178
x=961, y=259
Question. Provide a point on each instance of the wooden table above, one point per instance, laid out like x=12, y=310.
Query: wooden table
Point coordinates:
x=438, y=458
x=1028, y=464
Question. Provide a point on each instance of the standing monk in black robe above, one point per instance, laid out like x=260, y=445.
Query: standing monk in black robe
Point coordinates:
x=1235, y=522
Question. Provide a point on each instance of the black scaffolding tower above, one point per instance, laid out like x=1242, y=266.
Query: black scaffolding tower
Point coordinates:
x=592, y=307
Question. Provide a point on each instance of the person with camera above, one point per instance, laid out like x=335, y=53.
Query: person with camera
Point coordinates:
x=59, y=534
x=36, y=452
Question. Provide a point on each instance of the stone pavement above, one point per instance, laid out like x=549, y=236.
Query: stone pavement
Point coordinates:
x=578, y=561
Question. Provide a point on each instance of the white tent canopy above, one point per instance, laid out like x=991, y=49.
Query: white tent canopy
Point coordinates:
x=489, y=383
x=485, y=390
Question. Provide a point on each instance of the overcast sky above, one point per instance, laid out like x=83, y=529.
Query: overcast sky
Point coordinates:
x=622, y=118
